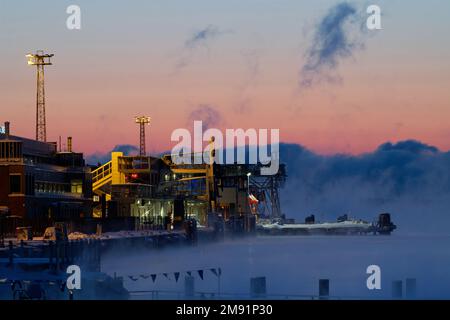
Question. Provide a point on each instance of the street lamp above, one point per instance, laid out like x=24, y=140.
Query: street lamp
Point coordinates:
x=248, y=182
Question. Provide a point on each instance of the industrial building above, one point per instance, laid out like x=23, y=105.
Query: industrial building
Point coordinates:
x=40, y=185
x=157, y=192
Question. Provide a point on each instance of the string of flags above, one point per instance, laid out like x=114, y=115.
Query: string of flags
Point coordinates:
x=176, y=275
x=17, y=284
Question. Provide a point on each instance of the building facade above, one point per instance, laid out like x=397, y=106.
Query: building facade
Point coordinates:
x=39, y=185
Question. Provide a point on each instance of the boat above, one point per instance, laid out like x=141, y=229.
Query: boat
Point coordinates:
x=343, y=226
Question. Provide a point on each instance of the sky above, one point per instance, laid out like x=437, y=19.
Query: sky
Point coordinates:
x=245, y=60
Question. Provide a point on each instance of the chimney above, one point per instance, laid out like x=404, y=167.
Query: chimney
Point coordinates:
x=69, y=144
x=7, y=129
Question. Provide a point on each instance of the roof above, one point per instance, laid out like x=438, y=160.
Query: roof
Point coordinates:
x=32, y=147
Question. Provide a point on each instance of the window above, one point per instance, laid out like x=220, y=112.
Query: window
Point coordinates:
x=29, y=184
x=15, y=183
x=10, y=150
x=76, y=186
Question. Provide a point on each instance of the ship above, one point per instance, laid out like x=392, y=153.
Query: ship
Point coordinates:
x=343, y=226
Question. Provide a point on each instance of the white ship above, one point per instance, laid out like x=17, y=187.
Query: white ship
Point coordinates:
x=342, y=226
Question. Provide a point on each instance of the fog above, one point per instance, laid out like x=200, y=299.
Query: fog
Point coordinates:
x=409, y=179
x=293, y=265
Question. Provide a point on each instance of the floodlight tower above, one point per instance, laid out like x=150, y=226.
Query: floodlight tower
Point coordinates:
x=142, y=121
x=40, y=59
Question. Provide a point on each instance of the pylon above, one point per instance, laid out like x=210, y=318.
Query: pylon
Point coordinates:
x=40, y=59
x=142, y=121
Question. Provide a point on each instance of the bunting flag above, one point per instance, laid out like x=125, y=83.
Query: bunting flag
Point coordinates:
x=61, y=283
x=201, y=273
x=217, y=272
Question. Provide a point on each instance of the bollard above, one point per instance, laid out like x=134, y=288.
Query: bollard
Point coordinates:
x=397, y=289
x=258, y=287
x=324, y=289
x=99, y=230
x=411, y=288
x=189, y=286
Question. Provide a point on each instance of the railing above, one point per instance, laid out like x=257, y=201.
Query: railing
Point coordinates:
x=214, y=295
x=101, y=176
x=11, y=160
x=132, y=164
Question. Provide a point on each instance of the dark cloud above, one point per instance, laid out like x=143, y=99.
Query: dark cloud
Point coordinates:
x=333, y=41
x=211, y=117
x=409, y=179
x=102, y=158
x=127, y=149
x=409, y=146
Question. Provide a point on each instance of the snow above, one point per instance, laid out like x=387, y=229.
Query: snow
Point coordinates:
x=325, y=225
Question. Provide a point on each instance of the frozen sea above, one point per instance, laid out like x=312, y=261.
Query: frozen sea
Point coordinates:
x=292, y=266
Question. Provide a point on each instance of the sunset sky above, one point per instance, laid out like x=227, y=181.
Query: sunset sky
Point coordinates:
x=148, y=57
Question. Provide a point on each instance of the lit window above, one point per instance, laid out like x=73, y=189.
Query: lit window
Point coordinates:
x=76, y=186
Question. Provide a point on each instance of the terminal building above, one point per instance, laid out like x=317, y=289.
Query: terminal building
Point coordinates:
x=156, y=192
x=40, y=185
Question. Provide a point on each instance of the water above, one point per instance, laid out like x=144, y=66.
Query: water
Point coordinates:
x=293, y=265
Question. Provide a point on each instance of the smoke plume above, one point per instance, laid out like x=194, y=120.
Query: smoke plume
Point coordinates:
x=333, y=41
x=210, y=116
